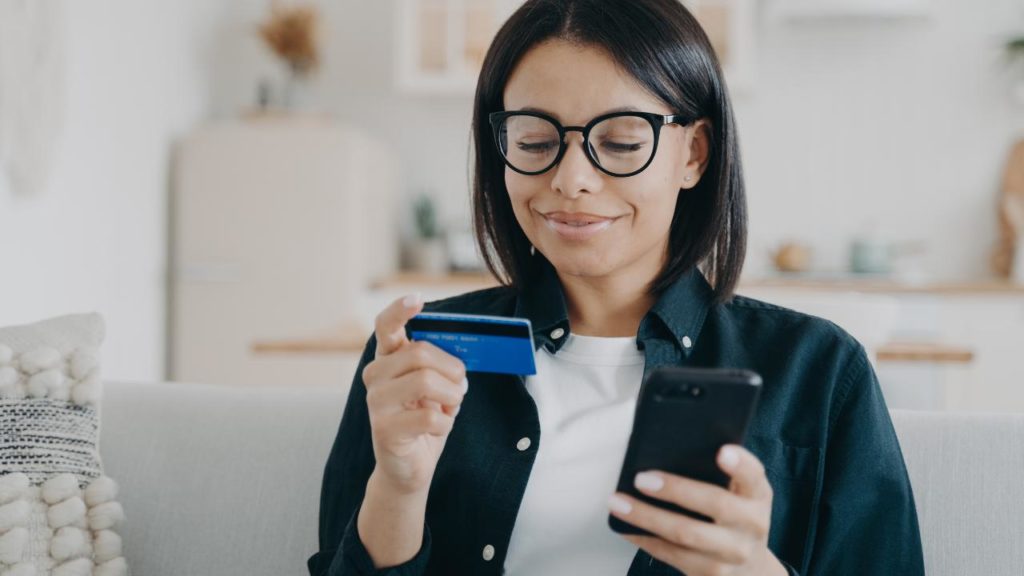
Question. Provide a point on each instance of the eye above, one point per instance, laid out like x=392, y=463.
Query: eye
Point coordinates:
x=537, y=147
x=621, y=147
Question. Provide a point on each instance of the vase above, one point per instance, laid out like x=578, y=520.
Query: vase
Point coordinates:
x=1017, y=270
x=1017, y=91
x=295, y=94
x=429, y=256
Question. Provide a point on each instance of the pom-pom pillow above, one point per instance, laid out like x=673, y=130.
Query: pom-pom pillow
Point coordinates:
x=58, y=512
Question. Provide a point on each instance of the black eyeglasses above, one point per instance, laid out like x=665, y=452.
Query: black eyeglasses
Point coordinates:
x=619, y=144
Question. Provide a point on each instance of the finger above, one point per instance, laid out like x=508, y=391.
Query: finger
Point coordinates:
x=746, y=471
x=448, y=409
x=713, y=501
x=389, y=327
x=418, y=355
x=686, y=561
x=722, y=543
x=413, y=423
x=422, y=388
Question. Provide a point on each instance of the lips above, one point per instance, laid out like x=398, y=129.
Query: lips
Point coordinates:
x=577, y=225
x=576, y=218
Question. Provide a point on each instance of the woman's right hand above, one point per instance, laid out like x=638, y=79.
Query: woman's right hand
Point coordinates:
x=413, y=393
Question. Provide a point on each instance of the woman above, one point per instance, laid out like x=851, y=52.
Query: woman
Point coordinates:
x=609, y=196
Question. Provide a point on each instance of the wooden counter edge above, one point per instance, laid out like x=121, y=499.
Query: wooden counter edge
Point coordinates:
x=891, y=352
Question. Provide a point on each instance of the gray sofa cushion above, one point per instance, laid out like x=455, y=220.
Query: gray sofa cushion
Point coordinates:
x=225, y=481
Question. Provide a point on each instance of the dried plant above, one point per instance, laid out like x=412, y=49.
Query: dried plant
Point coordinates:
x=292, y=32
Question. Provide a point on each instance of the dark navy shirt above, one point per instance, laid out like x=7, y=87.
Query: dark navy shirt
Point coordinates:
x=842, y=499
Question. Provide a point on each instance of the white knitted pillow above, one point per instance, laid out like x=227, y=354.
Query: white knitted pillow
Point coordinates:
x=57, y=509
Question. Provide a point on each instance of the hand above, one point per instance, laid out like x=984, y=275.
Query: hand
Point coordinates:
x=735, y=543
x=413, y=393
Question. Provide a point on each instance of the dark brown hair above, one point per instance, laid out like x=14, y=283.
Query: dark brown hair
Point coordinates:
x=663, y=47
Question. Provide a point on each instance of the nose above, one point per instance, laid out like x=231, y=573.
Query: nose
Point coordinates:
x=574, y=174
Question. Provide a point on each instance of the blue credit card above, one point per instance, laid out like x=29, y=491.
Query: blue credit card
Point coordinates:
x=484, y=343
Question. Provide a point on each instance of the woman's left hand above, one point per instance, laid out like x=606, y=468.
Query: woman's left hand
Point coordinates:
x=735, y=543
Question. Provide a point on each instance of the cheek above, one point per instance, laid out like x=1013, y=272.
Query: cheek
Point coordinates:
x=517, y=191
x=521, y=192
x=671, y=159
x=655, y=198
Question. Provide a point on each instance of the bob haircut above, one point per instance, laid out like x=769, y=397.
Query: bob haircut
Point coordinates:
x=662, y=46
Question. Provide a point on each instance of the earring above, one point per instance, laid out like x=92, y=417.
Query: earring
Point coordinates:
x=533, y=251
x=688, y=178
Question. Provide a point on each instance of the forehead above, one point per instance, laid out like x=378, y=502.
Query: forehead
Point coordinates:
x=574, y=83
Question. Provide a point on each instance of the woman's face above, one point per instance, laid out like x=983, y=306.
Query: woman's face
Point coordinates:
x=632, y=215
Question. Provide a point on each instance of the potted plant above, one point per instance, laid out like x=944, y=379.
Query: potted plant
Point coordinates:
x=292, y=33
x=1015, y=55
x=427, y=252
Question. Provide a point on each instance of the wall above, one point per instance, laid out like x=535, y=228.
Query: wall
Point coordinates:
x=903, y=123
x=898, y=127
x=94, y=239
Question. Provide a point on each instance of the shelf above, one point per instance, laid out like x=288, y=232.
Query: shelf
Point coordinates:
x=924, y=352
x=851, y=9
x=353, y=343
x=890, y=286
x=409, y=279
x=874, y=284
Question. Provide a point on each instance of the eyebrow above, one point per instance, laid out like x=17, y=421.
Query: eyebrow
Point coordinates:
x=556, y=117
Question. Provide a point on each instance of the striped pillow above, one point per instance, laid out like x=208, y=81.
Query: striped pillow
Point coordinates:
x=58, y=512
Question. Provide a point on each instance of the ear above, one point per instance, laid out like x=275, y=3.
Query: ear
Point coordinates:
x=698, y=142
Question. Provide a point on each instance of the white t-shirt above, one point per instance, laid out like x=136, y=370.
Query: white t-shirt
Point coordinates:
x=585, y=394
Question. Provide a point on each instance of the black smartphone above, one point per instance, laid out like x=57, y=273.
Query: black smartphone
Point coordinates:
x=683, y=417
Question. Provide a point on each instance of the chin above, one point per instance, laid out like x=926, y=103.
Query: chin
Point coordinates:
x=582, y=266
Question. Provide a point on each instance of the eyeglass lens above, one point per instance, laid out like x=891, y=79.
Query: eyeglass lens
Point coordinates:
x=620, y=144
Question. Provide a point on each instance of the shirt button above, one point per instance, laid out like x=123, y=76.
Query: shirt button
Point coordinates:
x=488, y=552
x=687, y=343
x=523, y=444
x=557, y=333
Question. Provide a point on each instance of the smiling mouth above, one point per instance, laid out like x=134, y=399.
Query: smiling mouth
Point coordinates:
x=577, y=228
x=577, y=220
x=576, y=224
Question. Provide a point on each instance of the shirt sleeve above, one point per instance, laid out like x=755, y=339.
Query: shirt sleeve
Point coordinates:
x=341, y=553
x=868, y=520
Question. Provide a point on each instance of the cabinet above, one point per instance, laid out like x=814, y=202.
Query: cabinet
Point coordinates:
x=810, y=10
x=977, y=331
x=277, y=227
x=441, y=44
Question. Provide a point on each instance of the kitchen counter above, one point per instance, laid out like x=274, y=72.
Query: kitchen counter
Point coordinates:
x=867, y=283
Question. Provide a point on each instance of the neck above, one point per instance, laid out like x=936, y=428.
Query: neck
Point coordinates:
x=607, y=306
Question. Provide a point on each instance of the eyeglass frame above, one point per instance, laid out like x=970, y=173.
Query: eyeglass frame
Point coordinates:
x=657, y=121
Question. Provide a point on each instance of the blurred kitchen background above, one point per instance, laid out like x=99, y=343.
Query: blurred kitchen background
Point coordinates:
x=239, y=186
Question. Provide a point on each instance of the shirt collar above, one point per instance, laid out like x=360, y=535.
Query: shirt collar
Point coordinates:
x=678, y=314
x=542, y=301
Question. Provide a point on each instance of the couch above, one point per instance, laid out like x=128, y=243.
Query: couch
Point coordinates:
x=225, y=481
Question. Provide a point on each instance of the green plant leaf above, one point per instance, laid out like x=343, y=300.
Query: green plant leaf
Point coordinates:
x=426, y=217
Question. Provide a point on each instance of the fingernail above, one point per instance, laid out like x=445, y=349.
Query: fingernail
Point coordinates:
x=729, y=457
x=465, y=385
x=619, y=504
x=648, y=481
x=412, y=300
